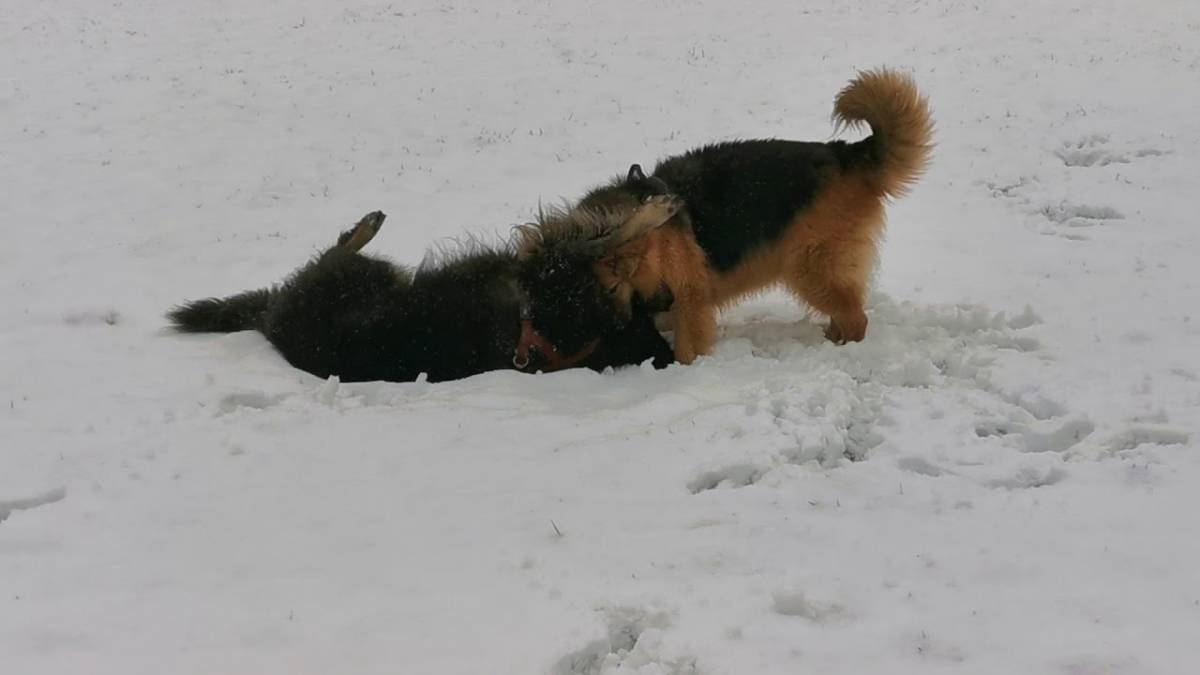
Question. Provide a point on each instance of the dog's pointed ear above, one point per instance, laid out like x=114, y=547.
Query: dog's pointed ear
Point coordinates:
x=635, y=173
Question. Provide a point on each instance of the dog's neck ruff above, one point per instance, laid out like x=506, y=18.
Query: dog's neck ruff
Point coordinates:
x=531, y=340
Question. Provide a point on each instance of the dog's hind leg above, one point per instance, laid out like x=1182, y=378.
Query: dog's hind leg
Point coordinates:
x=362, y=233
x=831, y=256
x=833, y=281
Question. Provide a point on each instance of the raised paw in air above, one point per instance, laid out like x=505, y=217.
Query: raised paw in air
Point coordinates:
x=362, y=233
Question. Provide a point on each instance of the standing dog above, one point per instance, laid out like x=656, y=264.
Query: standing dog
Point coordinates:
x=363, y=318
x=761, y=212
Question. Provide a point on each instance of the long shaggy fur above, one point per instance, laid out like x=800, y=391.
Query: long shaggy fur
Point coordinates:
x=762, y=212
x=901, y=125
x=214, y=315
x=363, y=318
x=593, y=227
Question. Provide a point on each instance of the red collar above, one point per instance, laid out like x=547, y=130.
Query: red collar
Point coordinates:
x=531, y=339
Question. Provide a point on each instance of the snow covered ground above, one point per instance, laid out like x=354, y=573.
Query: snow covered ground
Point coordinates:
x=1024, y=410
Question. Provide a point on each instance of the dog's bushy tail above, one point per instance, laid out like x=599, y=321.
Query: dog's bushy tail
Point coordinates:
x=901, y=127
x=221, y=315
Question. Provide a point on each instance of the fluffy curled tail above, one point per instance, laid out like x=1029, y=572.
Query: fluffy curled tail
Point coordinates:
x=901, y=128
x=221, y=315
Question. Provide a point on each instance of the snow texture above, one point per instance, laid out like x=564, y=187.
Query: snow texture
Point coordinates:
x=1001, y=479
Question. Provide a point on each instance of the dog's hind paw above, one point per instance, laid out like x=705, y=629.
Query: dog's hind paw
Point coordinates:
x=363, y=232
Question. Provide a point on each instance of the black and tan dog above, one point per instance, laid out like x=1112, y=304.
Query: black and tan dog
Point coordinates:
x=364, y=318
x=757, y=213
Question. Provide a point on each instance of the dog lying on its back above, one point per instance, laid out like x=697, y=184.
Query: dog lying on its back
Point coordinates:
x=364, y=318
x=763, y=212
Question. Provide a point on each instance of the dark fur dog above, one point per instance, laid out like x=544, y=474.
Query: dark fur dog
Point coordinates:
x=756, y=213
x=363, y=318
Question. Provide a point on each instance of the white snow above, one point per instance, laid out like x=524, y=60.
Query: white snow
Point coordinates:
x=1023, y=413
